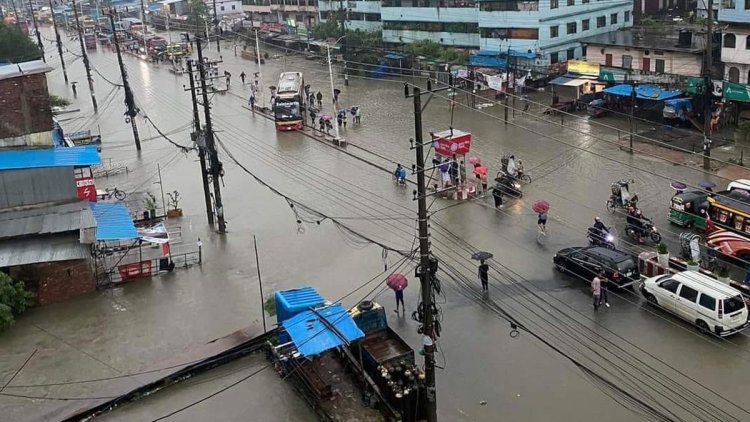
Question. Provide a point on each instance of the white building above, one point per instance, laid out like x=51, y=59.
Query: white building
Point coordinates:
x=359, y=14
x=271, y=15
x=550, y=28
x=735, y=45
x=224, y=7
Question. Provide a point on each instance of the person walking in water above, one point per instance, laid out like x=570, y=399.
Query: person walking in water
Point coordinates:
x=400, y=300
x=242, y=77
x=596, y=291
x=604, y=282
x=319, y=96
x=483, y=275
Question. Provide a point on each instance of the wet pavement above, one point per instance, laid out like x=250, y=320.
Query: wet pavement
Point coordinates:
x=635, y=348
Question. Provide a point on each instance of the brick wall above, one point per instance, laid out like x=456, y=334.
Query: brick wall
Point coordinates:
x=54, y=282
x=24, y=106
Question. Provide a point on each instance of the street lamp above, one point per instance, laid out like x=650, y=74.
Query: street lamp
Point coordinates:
x=334, y=99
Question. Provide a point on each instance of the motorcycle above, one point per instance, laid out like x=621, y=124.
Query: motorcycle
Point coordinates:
x=608, y=241
x=648, y=231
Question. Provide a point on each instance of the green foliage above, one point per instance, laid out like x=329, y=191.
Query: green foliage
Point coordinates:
x=363, y=46
x=648, y=21
x=14, y=299
x=662, y=249
x=270, y=306
x=198, y=13
x=15, y=46
x=328, y=29
x=723, y=272
x=55, y=101
x=435, y=51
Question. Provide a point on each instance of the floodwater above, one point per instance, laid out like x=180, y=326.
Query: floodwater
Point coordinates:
x=628, y=362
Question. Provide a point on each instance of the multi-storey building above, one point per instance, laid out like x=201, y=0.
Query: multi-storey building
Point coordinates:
x=358, y=14
x=735, y=45
x=273, y=14
x=550, y=28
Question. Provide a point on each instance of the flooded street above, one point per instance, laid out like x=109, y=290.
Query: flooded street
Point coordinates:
x=665, y=364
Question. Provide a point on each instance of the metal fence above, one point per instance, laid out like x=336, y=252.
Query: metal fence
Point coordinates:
x=113, y=275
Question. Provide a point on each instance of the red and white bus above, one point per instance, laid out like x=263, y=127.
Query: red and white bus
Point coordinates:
x=288, y=105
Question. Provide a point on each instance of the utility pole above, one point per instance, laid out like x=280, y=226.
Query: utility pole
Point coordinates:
x=36, y=29
x=15, y=12
x=201, y=141
x=426, y=265
x=333, y=95
x=129, y=101
x=260, y=68
x=507, y=85
x=216, y=29
x=59, y=43
x=708, y=87
x=86, y=58
x=216, y=167
x=633, y=102
x=143, y=22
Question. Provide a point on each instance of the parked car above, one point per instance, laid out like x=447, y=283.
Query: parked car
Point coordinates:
x=619, y=267
x=705, y=302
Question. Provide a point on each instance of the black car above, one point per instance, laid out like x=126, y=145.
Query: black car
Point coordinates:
x=508, y=185
x=619, y=267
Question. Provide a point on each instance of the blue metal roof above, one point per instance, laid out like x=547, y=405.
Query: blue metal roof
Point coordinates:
x=312, y=337
x=113, y=222
x=49, y=157
x=481, y=60
x=513, y=53
x=291, y=302
x=643, y=92
x=395, y=56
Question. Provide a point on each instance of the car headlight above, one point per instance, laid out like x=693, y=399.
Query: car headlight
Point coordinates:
x=610, y=238
x=517, y=185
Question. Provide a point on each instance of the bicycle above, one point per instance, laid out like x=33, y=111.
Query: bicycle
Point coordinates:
x=114, y=192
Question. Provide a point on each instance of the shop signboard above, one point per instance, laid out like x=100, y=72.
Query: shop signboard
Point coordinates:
x=449, y=142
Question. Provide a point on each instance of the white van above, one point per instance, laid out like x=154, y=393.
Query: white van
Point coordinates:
x=699, y=299
x=742, y=184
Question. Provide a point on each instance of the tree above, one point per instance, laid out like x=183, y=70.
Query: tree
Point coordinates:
x=15, y=46
x=14, y=299
x=198, y=14
x=328, y=29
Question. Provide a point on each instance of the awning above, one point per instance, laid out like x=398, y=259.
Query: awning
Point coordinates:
x=643, y=92
x=113, y=222
x=39, y=249
x=49, y=157
x=736, y=92
x=311, y=336
x=480, y=60
x=572, y=80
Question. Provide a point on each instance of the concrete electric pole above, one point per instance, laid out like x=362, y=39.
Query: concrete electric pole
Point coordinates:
x=129, y=100
x=708, y=87
x=59, y=43
x=86, y=57
x=200, y=140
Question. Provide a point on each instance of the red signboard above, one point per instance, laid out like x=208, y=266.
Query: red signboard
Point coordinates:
x=449, y=142
x=85, y=185
x=135, y=270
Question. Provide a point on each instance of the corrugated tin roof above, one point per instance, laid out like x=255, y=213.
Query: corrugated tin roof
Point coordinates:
x=113, y=222
x=312, y=337
x=49, y=157
x=46, y=220
x=16, y=70
x=41, y=249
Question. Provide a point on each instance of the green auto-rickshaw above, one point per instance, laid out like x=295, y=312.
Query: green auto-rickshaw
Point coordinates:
x=688, y=209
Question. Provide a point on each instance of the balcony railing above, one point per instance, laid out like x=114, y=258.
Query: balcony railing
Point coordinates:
x=509, y=6
x=430, y=3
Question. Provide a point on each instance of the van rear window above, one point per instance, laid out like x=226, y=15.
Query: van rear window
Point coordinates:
x=733, y=304
x=627, y=264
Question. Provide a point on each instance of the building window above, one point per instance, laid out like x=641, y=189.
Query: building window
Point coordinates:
x=571, y=2
x=613, y=19
x=660, y=65
x=553, y=58
x=583, y=51
x=747, y=39
x=734, y=75
x=627, y=61
x=585, y=1
x=729, y=4
x=554, y=31
x=464, y=28
x=222, y=8
x=585, y=25
x=553, y=4
x=627, y=16
x=572, y=28
x=510, y=33
x=601, y=21
x=509, y=6
x=730, y=41
x=233, y=7
x=571, y=53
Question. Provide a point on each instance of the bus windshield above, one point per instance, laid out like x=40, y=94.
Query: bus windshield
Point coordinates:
x=287, y=110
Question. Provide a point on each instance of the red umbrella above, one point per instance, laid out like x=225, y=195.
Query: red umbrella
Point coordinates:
x=397, y=281
x=540, y=207
x=475, y=160
x=480, y=170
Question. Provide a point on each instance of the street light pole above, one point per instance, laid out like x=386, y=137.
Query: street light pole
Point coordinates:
x=59, y=42
x=333, y=93
x=260, y=68
x=36, y=29
x=708, y=87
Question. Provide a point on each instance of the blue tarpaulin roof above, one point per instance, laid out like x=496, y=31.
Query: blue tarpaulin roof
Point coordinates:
x=49, y=157
x=643, y=92
x=483, y=60
x=291, y=302
x=395, y=56
x=312, y=337
x=513, y=53
x=113, y=222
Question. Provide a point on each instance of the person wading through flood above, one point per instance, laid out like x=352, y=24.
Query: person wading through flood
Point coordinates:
x=400, y=300
x=483, y=275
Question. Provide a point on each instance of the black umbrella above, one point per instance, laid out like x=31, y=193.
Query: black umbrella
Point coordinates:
x=481, y=256
x=707, y=184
